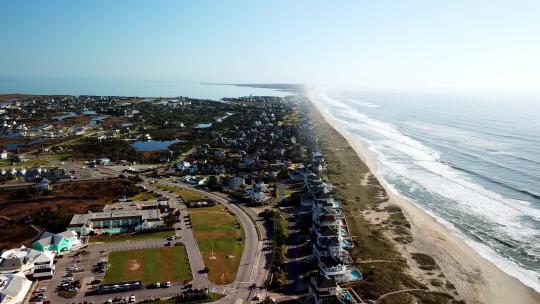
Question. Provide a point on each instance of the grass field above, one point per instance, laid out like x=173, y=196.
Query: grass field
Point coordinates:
x=149, y=265
x=144, y=196
x=185, y=194
x=216, y=226
x=136, y=237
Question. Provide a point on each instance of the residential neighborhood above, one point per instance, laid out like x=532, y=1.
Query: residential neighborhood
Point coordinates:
x=173, y=199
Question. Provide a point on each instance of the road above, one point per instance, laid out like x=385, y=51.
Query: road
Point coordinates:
x=254, y=261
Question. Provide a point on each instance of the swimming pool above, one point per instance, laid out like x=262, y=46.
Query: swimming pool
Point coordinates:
x=345, y=244
x=347, y=295
x=356, y=275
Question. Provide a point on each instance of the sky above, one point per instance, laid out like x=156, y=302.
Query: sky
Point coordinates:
x=364, y=44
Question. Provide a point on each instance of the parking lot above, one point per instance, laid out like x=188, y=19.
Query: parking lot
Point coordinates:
x=79, y=273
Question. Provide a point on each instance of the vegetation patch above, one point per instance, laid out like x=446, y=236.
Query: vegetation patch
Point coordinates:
x=149, y=265
x=53, y=210
x=145, y=196
x=279, y=231
x=185, y=194
x=221, y=241
x=426, y=262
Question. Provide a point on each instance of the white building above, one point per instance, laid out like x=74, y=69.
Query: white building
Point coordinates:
x=115, y=221
x=4, y=154
x=29, y=261
x=13, y=288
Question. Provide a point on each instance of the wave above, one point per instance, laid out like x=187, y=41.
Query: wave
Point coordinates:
x=406, y=158
x=364, y=103
x=485, y=130
x=494, y=181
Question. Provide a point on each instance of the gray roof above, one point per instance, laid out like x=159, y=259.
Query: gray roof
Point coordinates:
x=83, y=219
x=11, y=285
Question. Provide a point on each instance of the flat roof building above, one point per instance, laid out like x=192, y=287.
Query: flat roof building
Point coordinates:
x=115, y=221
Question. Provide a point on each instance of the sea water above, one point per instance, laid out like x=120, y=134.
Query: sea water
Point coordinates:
x=473, y=163
x=118, y=87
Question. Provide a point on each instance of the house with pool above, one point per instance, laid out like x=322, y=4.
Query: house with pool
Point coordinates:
x=325, y=290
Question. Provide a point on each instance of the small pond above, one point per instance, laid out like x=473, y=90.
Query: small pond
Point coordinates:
x=153, y=145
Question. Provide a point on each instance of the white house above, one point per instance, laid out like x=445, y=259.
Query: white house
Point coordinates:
x=337, y=268
x=27, y=260
x=4, y=154
x=14, y=288
x=183, y=166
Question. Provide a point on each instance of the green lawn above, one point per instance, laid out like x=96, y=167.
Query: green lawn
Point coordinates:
x=185, y=194
x=144, y=196
x=149, y=265
x=127, y=237
x=215, y=226
x=26, y=164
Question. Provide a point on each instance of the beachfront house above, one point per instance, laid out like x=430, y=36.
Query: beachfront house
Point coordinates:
x=325, y=290
x=338, y=269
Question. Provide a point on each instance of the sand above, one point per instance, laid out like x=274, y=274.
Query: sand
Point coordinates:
x=476, y=279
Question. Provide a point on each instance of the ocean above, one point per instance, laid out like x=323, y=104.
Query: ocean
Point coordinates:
x=472, y=163
x=118, y=87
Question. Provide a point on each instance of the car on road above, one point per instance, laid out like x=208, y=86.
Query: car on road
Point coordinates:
x=166, y=284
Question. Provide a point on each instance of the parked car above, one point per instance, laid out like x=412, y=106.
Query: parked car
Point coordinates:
x=187, y=286
x=132, y=299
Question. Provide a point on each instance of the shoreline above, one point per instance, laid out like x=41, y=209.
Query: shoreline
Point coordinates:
x=476, y=279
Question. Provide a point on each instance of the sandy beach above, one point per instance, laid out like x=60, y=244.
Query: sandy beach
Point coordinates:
x=476, y=279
